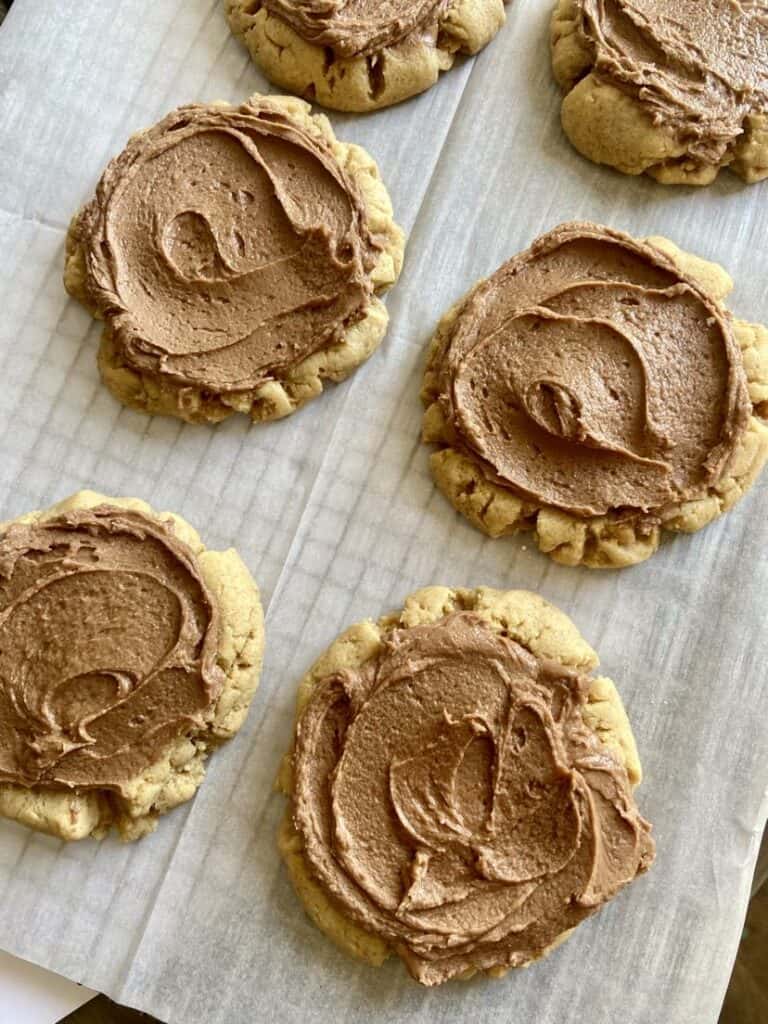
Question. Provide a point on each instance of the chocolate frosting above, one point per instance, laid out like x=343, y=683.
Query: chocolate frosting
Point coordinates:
x=453, y=802
x=225, y=245
x=698, y=66
x=355, y=28
x=108, y=645
x=589, y=374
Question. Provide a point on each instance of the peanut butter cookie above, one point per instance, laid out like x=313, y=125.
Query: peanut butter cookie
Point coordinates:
x=127, y=654
x=236, y=255
x=361, y=55
x=460, y=786
x=596, y=391
x=676, y=91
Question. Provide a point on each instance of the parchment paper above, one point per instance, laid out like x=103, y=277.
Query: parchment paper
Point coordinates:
x=334, y=512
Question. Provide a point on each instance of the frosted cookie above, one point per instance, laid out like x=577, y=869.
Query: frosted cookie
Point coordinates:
x=675, y=90
x=236, y=255
x=460, y=785
x=361, y=54
x=596, y=391
x=127, y=654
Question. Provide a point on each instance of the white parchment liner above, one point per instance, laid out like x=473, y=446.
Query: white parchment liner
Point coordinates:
x=334, y=512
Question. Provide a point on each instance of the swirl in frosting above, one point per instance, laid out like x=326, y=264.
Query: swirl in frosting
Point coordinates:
x=356, y=28
x=108, y=643
x=225, y=245
x=698, y=66
x=589, y=374
x=452, y=801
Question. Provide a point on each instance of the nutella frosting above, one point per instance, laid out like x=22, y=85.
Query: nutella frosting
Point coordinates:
x=591, y=375
x=698, y=66
x=356, y=28
x=453, y=802
x=108, y=642
x=225, y=245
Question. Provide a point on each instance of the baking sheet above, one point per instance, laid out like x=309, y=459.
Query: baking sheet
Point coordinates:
x=335, y=514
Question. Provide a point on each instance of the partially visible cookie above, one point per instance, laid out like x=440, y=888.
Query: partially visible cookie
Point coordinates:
x=596, y=391
x=460, y=785
x=676, y=91
x=128, y=652
x=236, y=255
x=361, y=54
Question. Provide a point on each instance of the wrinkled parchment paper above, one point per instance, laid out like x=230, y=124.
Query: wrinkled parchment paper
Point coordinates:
x=335, y=514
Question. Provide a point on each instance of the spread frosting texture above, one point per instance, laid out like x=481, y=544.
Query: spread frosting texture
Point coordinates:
x=591, y=375
x=360, y=27
x=225, y=245
x=698, y=66
x=108, y=641
x=452, y=801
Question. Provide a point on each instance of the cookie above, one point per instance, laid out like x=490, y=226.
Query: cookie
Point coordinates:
x=128, y=652
x=460, y=785
x=676, y=91
x=236, y=255
x=362, y=54
x=596, y=391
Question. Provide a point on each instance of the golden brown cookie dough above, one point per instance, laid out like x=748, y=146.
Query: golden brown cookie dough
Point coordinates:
x=596, y=391
x=128, y=652
x=676, y=91
x=236, y=255
x=460, y=785
x=361, y=54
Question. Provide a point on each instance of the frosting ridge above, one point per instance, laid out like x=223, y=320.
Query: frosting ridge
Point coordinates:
x=108, y=646
x=359, y=27
x=225, y=245
x=589, y=374
x=698, y=66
